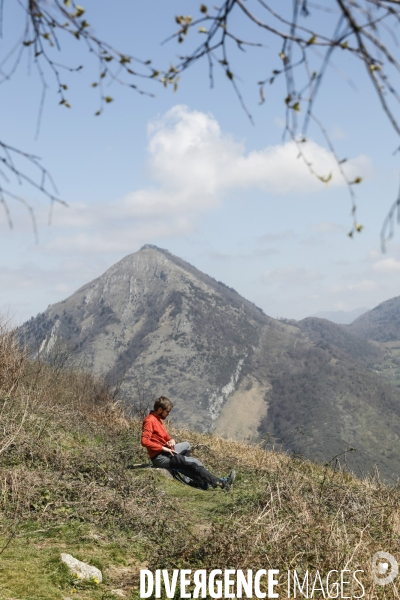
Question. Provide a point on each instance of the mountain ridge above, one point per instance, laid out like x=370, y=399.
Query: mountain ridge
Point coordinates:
x=381, y=324
x=154, y=322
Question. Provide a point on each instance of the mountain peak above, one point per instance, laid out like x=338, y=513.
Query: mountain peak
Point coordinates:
x=153, y=247
x=154, y=317
x=156, y=325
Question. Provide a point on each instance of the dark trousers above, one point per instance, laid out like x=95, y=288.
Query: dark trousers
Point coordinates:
x=184, y=463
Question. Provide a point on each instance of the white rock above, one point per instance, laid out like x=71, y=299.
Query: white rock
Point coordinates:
x=81, y=569
x=166, y=473
x=119, y=593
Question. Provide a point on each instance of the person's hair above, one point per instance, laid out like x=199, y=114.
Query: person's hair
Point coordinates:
x=164, y=403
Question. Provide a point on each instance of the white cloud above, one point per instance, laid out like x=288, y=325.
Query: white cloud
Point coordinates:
x=288, y=276
x=192, y=168
x=118, y=237
x=192, y=165
x=366, y=285
x=328, y=227
x=25, y=277
x=29, y=279
x=386, y=266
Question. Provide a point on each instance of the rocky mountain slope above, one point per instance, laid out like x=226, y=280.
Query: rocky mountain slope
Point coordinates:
x=153, y=320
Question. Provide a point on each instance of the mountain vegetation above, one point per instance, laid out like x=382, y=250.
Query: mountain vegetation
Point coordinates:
x=381, y=324
x=66, y=444
x=154, y=322
x=339, y=339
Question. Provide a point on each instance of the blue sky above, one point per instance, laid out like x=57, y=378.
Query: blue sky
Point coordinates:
x=188, y=172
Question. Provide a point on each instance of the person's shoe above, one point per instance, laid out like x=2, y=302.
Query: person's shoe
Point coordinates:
x=227, y=481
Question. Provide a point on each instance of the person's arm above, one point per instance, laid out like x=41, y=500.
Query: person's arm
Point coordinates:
x=168, y=450
x=171, y=443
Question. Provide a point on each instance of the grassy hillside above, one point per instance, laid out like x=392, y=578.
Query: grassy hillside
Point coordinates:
x=65, y=445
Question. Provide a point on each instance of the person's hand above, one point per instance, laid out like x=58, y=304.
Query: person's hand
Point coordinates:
x=168, y=450
x=171, y=443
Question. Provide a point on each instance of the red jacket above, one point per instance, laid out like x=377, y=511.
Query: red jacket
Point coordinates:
x=154, y=434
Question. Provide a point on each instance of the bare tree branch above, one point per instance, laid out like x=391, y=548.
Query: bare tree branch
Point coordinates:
x=44, y=24
x=358, y=30
x=362, y=29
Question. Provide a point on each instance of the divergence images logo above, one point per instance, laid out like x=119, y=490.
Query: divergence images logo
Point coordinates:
x=384, y=568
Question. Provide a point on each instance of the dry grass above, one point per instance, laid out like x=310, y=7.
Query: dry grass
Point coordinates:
x=65, y=443
x=64, y=440
x=242, y=454
x=289, y=513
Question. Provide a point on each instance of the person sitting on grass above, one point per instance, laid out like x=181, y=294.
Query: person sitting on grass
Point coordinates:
x=166, y=454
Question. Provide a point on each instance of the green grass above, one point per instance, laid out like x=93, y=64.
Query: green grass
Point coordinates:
x=31, y=569
x=191, y=528
x=66, y=488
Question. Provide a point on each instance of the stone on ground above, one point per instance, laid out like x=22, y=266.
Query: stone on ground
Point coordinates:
x=80, y=569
